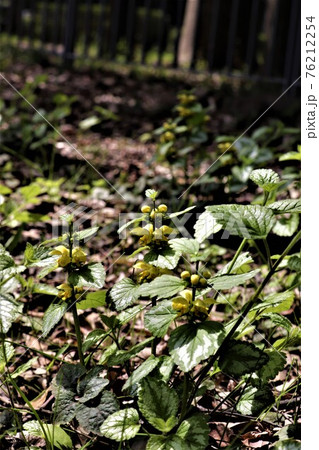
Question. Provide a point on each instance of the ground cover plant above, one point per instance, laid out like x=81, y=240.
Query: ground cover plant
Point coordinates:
x=175, y=327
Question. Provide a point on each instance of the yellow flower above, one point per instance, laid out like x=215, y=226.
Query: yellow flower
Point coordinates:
x=78, y=256
x=78, y=292
x=224, y=146
x=199, y=308
x=182, y=303
x=144, y=271
x=64, y=254
x=145, y=233
x=162, y=208
x=148, y=234
x=65, y=291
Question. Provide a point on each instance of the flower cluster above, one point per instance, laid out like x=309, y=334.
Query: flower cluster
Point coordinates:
x=78, y=256
x=185, y=304
x=147, y=272
x=66, y=291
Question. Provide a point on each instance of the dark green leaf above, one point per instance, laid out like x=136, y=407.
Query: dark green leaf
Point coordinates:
x=241, y=357
x=142, y=371
x=158, y=403
x=194, y=432
x=121, y=356
x=254, y=400
x=91, y=418
x=93, y=338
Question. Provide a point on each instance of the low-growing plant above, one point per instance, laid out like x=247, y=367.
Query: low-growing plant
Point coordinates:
x=176, y=290
x=180, y=140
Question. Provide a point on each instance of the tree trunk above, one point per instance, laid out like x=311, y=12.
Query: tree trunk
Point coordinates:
x=187, y=39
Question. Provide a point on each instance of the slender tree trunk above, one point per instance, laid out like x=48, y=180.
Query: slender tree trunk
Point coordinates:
x=187, y=39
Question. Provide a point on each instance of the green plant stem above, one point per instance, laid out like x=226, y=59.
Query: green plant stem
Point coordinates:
x=259, y=252
x=184, y=397
x=77, y=331
x=268, y=253
x=202, y=374
x=239, y=250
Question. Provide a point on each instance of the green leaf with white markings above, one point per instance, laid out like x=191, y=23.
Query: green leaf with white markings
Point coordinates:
x=91, y=275
x=286, y=226
x=158, y=319
x=52, y=316
x=242, y=265
x=220, y=282
x=205, y=226
x=164, y=286
x=161, y=442
x=10, y=310
x=84, y=235
x=124, y=293
x=246, y=221
x=185, y=245
x=166, y=259
x=267, y=179
x=286, y=206
x=122, y=425
x=191, y=343
x=273, y=303
x=56, y=435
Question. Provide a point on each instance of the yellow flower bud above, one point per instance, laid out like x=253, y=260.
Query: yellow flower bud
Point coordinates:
x=64, y=254
x=194, y=279
x=145, y=209
x=185, y=275
x=206, y=273
x=162, y=208
x=169, y=136
x=152, y=215
x=203, y=282
x=78, y=256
